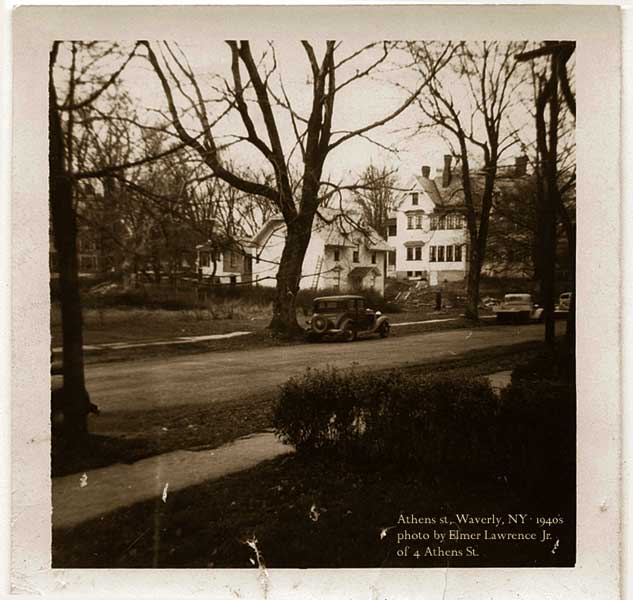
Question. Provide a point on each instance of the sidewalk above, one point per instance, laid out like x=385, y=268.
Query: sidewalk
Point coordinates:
x=192, y=339
x=81, y=497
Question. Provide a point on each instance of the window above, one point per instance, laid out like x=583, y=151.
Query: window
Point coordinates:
x=409, y=253
x=453, y=221
x=409, y=221
x=205, y=259
x=449, y=253
x=434, y=222
x=414, y=198
x=442, y=222
x=337, y=255
x=418, y=273
x=87, y=245
x=355, y=256
x=418, y=253
x=373, y=258
x=233, y=259
x=87, y=262
x=458, y=253
x=432, y=255
x=440, y=254
x=393, y=230
x=418, y=221
x=409, y=273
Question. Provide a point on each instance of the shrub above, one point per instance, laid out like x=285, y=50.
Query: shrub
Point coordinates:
x=538, y=423
x=434, y=421
x=553, y=365
x=441, y=422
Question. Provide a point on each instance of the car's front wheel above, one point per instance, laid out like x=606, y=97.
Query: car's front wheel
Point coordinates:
x=349, y=332
x=384, y=330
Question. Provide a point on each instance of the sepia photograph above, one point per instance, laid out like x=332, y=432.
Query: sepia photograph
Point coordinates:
x=316, y=292
x=312, y=304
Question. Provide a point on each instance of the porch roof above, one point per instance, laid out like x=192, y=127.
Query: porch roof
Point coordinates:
x=363, y=271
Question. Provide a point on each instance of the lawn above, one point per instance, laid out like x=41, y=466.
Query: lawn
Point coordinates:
x=315, y=513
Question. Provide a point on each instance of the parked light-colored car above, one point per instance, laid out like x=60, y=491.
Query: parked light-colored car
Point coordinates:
x=561, y=310
x=344, y=317
x=518, y=308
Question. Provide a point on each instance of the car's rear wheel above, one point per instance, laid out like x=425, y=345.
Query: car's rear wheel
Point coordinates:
x=349, y=332
x=319, y=324
x=384, y=330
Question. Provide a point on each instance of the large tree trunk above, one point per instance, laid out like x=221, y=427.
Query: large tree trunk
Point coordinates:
x=284, y=321
x=472, y=287
x=548, y=273
x=570, y=234
x=76, y=402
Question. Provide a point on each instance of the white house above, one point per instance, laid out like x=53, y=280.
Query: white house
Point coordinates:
x=427, y=229
x=228, y=264
x=428, y=225
x=343, y=254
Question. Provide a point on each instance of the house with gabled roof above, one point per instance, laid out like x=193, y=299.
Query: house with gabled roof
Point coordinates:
x=427, y=227
x=344, y=254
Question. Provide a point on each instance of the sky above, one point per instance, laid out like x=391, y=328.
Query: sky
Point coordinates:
x=358, y=104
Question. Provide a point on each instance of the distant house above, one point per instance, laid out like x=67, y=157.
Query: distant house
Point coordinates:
x=428, y=225
x=90, y=257
x=343, y=254
x=226, y=263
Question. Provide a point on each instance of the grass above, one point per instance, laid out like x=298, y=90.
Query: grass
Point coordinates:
x=316, y=514
x=167, y=429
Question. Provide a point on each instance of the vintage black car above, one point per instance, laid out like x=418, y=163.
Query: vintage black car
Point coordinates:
x=345, y=317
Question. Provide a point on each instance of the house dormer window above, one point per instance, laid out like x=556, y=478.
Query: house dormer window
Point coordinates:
x=373, y=258
x=414, y=198
x=355, y=256
x=337, y=255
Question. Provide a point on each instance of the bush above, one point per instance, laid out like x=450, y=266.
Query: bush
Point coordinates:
x=538, y=421
x=552, y=365
x=443, y=422
x=391, y=416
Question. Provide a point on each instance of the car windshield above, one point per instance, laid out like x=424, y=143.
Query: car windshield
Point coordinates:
x=517, y=298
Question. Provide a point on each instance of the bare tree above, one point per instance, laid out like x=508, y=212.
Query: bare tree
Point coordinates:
x=554, y=92
x=375, y=196
x=61, y=115
x=475, y=123
x=250, y=85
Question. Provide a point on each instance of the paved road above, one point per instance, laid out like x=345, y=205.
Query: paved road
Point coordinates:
x=217, y=376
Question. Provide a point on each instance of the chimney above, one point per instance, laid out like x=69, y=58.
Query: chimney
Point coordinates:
x=426, y=171
x=520, y=166
x=446, y=174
